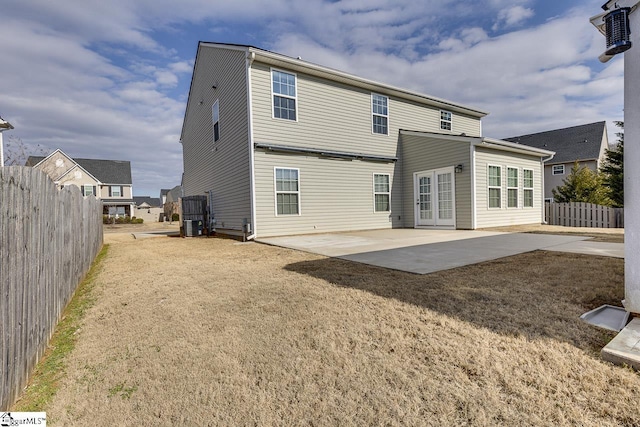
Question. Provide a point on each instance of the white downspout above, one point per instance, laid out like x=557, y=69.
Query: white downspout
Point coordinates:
x=542, y=162
x=251, y=56
x=474, y=207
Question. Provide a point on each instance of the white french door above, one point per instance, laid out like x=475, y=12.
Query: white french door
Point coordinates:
x=435, y=198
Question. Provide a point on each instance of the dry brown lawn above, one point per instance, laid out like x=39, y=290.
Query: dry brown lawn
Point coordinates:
x=215, y=332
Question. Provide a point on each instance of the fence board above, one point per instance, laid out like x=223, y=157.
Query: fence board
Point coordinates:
x=48, y=240
x=579, y=214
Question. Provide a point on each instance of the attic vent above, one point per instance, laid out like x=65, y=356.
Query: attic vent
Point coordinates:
x=617, y=28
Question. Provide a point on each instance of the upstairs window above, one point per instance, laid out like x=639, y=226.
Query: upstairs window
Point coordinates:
x=215, y=115
x=381, y=192
x=445, y=120
x=88, y=190
x=527, y=176
x=380, y=113
x=512, y=187
x=283, y=86
x=558, y=169
x=115, y=191
x=495, y=187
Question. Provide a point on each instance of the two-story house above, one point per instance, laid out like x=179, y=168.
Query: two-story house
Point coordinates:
x=585, y=144
x=283, y=146
x=108, y=180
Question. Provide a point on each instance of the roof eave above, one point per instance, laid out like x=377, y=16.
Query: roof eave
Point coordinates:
x=514, y=147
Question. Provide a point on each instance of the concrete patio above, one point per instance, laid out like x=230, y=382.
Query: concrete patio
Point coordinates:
x=425, y=251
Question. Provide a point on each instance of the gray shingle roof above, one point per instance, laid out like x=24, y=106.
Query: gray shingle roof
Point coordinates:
x=105, y=171
x=151, y=201
x=570, y=144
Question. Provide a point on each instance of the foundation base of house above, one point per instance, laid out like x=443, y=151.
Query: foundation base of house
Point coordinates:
x=624, y=349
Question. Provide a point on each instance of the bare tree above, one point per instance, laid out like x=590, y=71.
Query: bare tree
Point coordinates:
x=16, y=152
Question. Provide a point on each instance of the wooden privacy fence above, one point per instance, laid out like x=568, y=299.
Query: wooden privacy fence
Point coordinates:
x=583, y=215
x=48, y=240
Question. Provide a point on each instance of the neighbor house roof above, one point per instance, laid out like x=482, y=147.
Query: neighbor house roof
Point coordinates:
x=105, y=171
x=576, y=143
x=151, y=201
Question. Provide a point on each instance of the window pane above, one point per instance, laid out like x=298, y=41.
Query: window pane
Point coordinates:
x=528, y=178
x=512, y=200
x=382, y=202
x=494, y=176
x=381, y=183
x=494, y=198
x=512, y=177
x=287, y=204
x=380, y=124
x=528, y=198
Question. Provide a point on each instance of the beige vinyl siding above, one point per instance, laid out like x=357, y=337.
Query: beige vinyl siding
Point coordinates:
x=77, y=176
x=338, y=117
x=422, y=153
x=486, y=217
x=51, y=168
x=224, y=166
x=335, y=195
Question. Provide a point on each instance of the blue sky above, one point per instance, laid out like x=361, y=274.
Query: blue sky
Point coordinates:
x=110, y=79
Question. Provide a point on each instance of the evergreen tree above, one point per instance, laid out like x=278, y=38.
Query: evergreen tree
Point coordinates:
x=582, y=185
x=613, y=170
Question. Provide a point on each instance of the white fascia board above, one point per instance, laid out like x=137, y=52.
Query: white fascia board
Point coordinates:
x=277, y=59
x=513, y=147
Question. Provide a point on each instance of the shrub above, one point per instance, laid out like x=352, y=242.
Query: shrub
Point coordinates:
x=175, y=217
x=135, y=220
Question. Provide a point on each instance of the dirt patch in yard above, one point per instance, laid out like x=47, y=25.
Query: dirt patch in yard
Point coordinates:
x=216, y=332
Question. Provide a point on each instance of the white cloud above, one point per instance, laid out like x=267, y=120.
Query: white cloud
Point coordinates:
x=96, y=82
x=511, y=17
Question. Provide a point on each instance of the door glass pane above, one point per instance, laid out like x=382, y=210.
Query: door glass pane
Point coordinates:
x=445, y=196
x=426, y=211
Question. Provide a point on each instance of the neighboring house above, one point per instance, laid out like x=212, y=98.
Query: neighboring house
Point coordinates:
x=163, y=195
x=146, y=202
x=108, y=180
x=283, y=146
x=172, y=204
x=585, y=144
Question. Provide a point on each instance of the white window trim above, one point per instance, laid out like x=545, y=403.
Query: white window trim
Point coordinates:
x=275, y=192
x=273, y=112
x=450, y=121
x=213, y=120
x=119, y=187
x=381, y=115
x=493, y=186
x=375, y=193
x=517, y=188
x=525, y=188
x=553, y=170
x=84, y=193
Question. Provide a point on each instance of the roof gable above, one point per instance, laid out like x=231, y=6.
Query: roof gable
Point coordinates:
x=104, y=171
x=581, y=143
